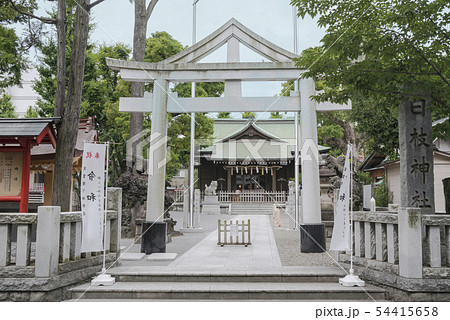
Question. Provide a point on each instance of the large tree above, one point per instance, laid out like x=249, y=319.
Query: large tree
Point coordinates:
x=142, y=13
x=379, y=53
x=67, y=105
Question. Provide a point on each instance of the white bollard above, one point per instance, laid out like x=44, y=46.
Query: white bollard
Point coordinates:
x=373, y=205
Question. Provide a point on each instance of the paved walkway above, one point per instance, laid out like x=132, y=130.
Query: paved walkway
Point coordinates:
x=261, y=254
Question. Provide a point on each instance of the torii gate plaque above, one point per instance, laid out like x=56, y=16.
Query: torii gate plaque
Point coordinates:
x=182, y=67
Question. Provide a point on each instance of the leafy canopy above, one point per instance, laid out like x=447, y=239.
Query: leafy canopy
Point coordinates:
x=12, y=47
x=378, y=54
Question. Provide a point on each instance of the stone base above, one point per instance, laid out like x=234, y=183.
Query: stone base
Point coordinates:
x=191, y=230
x=162, y=257
x=153, y=238
x=312, y=238
x=103, y=280
x=211, y=208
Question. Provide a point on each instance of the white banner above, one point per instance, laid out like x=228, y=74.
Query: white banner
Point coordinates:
x=341, y=228
x=93, y=197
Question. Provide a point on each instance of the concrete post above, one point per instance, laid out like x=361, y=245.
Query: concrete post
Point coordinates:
x=47, y=241
x=312, y=230
x=410, y=242
x=186, y=208
x=154, y=229
x=115, y=203
x=197, y=209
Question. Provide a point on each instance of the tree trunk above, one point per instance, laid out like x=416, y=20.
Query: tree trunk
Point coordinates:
x=137, y=88
x=61, y=60
x=68, y=131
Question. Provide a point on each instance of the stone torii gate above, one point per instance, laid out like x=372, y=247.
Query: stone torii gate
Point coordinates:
x=184, y=67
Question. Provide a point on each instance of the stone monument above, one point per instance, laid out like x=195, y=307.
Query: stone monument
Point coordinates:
x=211, y=201
x=416, y=156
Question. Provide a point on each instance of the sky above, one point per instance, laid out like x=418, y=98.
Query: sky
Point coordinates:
x=271, y=19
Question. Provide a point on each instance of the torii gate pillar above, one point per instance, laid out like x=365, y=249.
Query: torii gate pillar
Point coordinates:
x=312, y=230
x=154, y=229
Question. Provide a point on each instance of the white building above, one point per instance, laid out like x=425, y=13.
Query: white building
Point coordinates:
x=24, y=96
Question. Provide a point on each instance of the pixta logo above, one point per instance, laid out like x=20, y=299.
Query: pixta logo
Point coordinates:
x=157, y=152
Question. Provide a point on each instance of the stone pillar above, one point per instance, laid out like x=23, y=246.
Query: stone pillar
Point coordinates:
x=233, y=88
x=154, y=229
x=197, y=209
x=410, y=242
x=416, y=156
x=312, y=230
x=186, y=215
x=115, y=203
x=47, y=241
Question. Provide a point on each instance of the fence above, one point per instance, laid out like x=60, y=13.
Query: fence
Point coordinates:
x=250, y=196
x=233, y=234
x=405, y=250
x=47, y=244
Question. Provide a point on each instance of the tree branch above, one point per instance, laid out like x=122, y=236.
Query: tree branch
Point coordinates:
x=43, y=19
x=94, y=4
x=421, y=54
x=150, y=8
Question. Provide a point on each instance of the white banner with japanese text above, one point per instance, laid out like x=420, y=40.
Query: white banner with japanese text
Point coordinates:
x=93, y=197
x=340, y=239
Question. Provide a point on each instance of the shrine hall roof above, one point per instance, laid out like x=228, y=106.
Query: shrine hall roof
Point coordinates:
x=275, y=136
x=20, y=127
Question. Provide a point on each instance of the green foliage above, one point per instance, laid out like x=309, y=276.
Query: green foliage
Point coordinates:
x=160, y=46
x=383, y=196
x=102, y=88
x=202, y=89
x=378, y=122
x=248, y=115
x=287, y=87
x=276, y=115
x=224, y=115
x=364, y=177
x=12, y=48
x=7, y=109
x=32, y=112
x=386, y=50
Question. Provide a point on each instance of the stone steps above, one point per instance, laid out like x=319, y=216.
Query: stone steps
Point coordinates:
x=288, y=274
x=251, y=208
x=228, y=291
x=288, y=283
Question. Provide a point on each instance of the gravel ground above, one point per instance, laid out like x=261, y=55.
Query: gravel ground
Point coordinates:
x=288, y=244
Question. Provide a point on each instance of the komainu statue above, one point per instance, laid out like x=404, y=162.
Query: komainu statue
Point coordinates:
x=211, y=189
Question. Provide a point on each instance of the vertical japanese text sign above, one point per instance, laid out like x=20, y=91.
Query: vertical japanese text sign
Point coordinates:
x=341, y=230
x=416, y=156
x=92, y=197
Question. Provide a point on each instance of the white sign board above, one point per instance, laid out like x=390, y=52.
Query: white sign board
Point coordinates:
x=93, y=197
x=340, y=239
x=234, y=230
